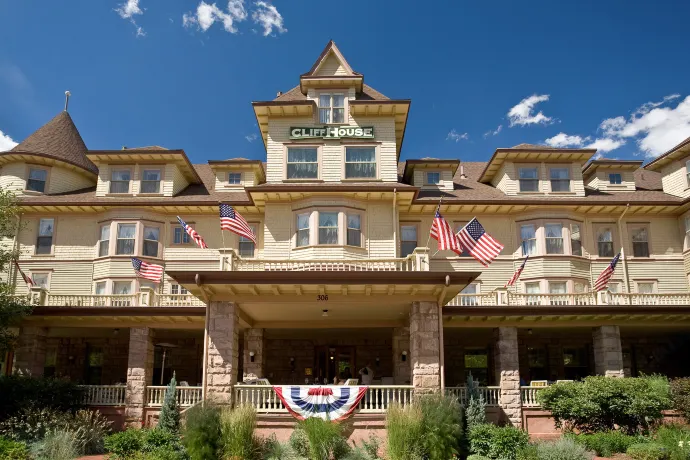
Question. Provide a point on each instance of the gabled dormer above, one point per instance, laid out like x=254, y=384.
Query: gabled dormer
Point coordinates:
x=535, y=170
x=431, y=173
x=674, y=167
x=237, y=173
x=611, y=175
x=50, y=161
x=143, y=171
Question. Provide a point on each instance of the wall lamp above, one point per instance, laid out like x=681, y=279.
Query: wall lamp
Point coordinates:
x=404, y=356
x=251, y=356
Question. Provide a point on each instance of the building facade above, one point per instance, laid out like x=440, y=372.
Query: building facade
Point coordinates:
x=343, y=276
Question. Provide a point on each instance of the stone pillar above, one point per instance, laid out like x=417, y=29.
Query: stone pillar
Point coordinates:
x=608, y=353
x=401, y=350
x=508, y=373
x=254, y=365
x=222, y=361
x=139, y=374
x=30, y=354
x=425, y=356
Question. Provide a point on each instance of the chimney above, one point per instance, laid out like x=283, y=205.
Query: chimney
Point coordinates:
x=462, y=172
x=280, y=93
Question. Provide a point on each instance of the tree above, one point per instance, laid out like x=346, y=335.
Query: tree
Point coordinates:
x=169, y=419
x=476, y=406
x=12, y=309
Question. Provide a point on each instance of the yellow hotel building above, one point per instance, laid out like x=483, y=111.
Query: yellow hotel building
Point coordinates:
x=341, y=276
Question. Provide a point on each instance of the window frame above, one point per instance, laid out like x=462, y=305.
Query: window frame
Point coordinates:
x=317, y=147
x=47, y=273
x=307, y=213
x=100, y=242
x=46, y=182
x=568, y=168
x=472, y=298
x=535, y=226
x=319, y=227
x=241, y=240
x=597, y=227
x=347, y=229
x=653, y=282
x=185, y=239
x=135, y=247
x=237, y=173
x=562, y=238
x=687, y=173
x=144, y=240
x=130, y=170
x=144, y=169
x=570, y=230
x=361, y=146
x=114, y=284
x=536, y=168
x=105, y=287
x=179, y=289
x=331, y=108
x=400, y=238
x=632, y=226
x=620, y=178
x=52, y=237
x=428, y=182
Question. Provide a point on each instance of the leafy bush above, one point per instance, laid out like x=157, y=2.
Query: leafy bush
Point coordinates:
x=676, y=440
x=125, y=444
x=91, y=428
x=528, y=452
x=237, y=433
x=602, y=403
x=648, y=451
x=57, y=445
x=497, y=442
x=325, y=439
x=477, y=457
x=155, y=444
x=562, y=449
x=299, y=442
x=31, y=424
x=369, y=449
x=201, y=434
x=680, y=396
x=476, y=406
x=13, y=450
x=606, y=443
x=271, y=449
x=21, y=393
x=404, y=431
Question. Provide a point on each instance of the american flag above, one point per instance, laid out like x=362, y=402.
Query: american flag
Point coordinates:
x=27, y=279
x=193, y=234
x=605, y=276
x=231, y=220
x=148, y=271
x=478, y=243
x=518, y=272
x=443, y=233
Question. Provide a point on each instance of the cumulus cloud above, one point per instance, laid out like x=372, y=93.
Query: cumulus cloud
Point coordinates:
x=605, y=144
x=523, y=113
x=453, y=135
x=251, y=137
x=207, y=14
x=6, y=142
x=128, y=10
x=268, y=17
x=562, y=140
x=493, y=132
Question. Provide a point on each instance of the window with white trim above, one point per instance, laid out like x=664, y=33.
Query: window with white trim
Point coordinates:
x=177, y=289
x=615, y=179
x=605, y=242
x=560, y=179
x=553, y=233
x=119, y=180
x=640, y=241
x=408, y=239
x=302, y=163
x=575, y=240
x=558, y=287
x=234, y=178
x=533, y=290
x=37, y=180
x=469, y=298
x=151, y=238
x=303, y=229
x=331, y=108
x=41, y=280
x=150, y=181
x=122, y=287
x=528, y=235
x=360, y=162
x=354, y=230
x=44, y=241
x=645, y=287
x=247, y=246
x=433, y=178
x=529, y=179
x=104, y=242
x=100, y=287
x=328, y=228
x=126, y=237
x=180, y=236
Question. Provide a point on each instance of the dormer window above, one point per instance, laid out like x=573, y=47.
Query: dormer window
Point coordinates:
x=433, y=178
x=615, y=179
x=360, y=162
x=332, y=108
x=37, y=180
x=151, y=181
x=234, y=178
x=302, y=163
x=529, y=179
x=119, y=181
x=560, y=179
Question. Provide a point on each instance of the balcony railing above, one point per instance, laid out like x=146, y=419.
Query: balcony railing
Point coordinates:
x=492, y=395
x=473, y=300
x=93, y=300
x=104, y=395
x=407, y=264
x=177, y=300
x=650, y=299
x=552, y=299
x=528, y=395
x=186, y=396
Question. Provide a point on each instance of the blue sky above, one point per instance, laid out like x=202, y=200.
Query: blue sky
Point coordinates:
x=615, y=74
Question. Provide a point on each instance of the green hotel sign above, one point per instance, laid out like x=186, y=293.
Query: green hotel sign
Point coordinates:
x=333, y=132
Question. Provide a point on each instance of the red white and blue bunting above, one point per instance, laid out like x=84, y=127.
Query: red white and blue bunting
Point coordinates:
x=332, y=403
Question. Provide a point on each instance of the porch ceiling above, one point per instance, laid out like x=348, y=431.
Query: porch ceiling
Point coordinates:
x=118, y=317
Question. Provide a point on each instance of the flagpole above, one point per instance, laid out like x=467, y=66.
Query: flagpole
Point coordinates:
x=438, y=208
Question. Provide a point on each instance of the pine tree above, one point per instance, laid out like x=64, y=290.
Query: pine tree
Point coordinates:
x=169, y=419
x=476, y=406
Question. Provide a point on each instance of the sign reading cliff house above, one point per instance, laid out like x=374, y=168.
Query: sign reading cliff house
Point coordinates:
x=332, y=132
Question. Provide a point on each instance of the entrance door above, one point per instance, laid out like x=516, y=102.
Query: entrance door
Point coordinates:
x=334, y=361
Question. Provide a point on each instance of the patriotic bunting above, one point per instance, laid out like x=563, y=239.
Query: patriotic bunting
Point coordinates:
x=193, y=234
x=332, y=403
x=605, y=276
x=148, y=271
x=232, y=221
x=478, y=243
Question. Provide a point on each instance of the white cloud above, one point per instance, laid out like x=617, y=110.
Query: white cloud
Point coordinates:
x=562, y=140
x=128, y=10
x=268, y=17
x=140, y=32
x=251, y=137
x=6, y=142
x=207, y=14
x=523, y=113
x=605, y=144
x=453, y=135
x=494, y=132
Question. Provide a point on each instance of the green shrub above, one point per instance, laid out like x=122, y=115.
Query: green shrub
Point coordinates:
x=237, y=433
x=325, y=439
x=31, y=424
x=476, y=406
x=442, y=425
x=676, y=440
x=169, y=418
x=405, y=432
x=528, y=452
x=13, y=450
x=91, y=428
x=299, y=442
x=145, y=444
x=497, y=442
x=125, y=444
x=606, y=443
x=271, y=449
x=602, y=404
x=20, y=393
x=680, y=396
x=57, y=445
x=477, y=457
x=648, y=451
x=562, y=449
x=201, y=434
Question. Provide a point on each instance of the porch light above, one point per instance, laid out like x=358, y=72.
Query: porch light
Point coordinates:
x=325, y=313
x=251, y=356
x=404, y=355
x=378, y=361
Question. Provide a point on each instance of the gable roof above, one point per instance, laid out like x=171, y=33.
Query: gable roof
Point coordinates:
x=330, y=48
x=679, y=151
x=367, y=94
x=58, y=139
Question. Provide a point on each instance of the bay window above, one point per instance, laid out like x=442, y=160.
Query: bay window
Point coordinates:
x=360, y=162
x=151, y=235
x=528, y=236
x=247, y=246
x=328, y=228
x=640, y=241
x=558, y=288
x=529, y=179
x=408, y=239
x=126, y=236
x=151, y=181
x=354, y=230
x=37, y=180
x=44, y=241
x=560, y=179
x=303, y=229
x=533, y=290
x=104, y=242
x=332, y=108
x=122, y=287
x=119, y=180
x=99, y=288
x=575, y=239
x=605, y=242
x=554, y=238
x=302, y=163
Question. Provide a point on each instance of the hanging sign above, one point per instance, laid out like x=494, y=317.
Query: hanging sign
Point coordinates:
x=332, y=132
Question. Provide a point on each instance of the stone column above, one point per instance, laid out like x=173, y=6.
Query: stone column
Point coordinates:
x=425, y=356
x=508, y=373
x=254, y=365
x=30, y=354
x=401, y=344
x=222, y=361
x=608, y=353
x=139, y=374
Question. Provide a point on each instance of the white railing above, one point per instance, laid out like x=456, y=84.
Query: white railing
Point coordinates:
x=104, y=395
x=492, y=395
x=649, y=299
x=473, y=300
x=186, y=396
x=177, y=300
x=528, y=396
x=405, y=265
x=94, y=300
x=551, y=299
x=261, y=397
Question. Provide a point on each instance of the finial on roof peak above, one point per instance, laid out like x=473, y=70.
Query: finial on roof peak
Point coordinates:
x=67, y=95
